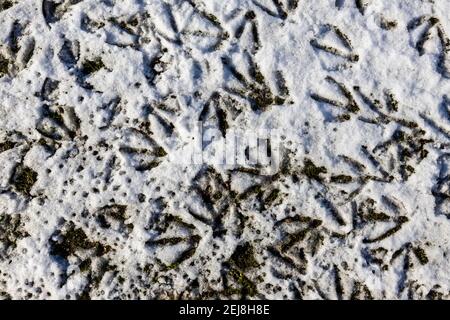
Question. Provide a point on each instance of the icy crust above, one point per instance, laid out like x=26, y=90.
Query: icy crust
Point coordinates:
x=99, y=101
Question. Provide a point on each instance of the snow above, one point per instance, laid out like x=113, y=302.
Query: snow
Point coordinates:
x=105, y=101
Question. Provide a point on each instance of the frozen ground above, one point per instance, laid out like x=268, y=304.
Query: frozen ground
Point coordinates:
x=100, y=102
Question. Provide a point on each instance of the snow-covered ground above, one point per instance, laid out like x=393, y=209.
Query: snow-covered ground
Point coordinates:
x=335, y=118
